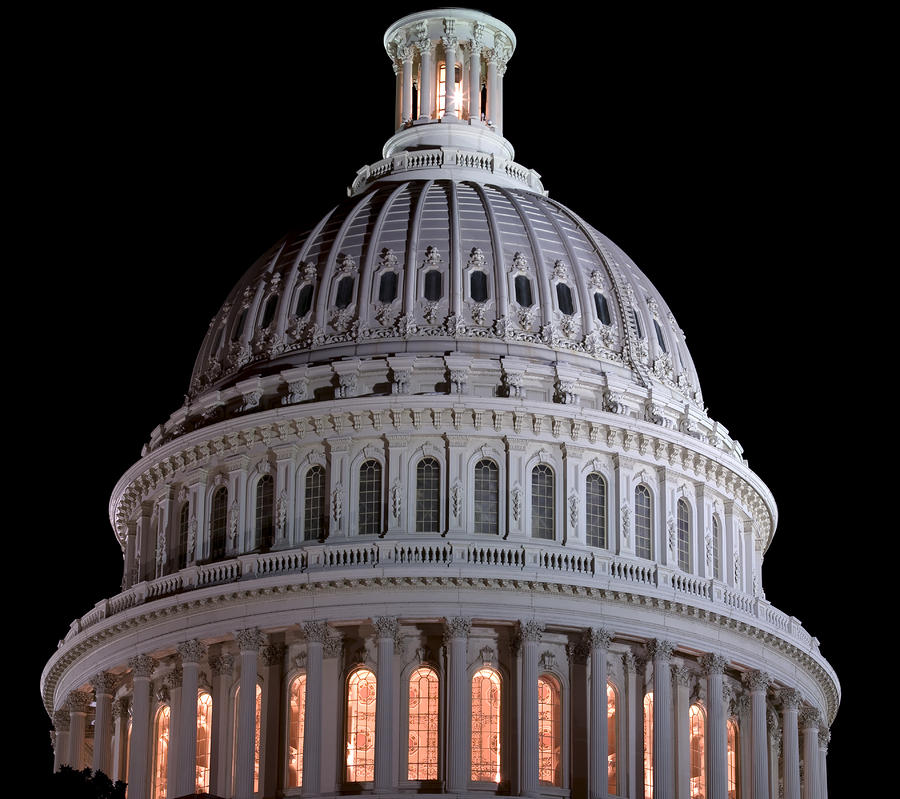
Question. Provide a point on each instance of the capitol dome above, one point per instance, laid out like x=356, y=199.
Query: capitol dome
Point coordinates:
x=444, y=512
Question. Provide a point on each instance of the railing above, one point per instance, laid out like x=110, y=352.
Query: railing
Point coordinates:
x=465, y=558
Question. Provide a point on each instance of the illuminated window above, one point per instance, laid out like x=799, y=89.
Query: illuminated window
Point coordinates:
x=642, y=537
x=160, y=753
x=564, y=298
x=265, y=512
x=611, y=739
x=256, y=738
x=523, y=291
x=370, y=498
x=183, y=532
x=486, y=726
x=698, y=752
x=542, y=502
x=684, y=536
x=387, y=287
x=487, y=497
x=344, y=291
x=204, y=741
x=269, y=311
x=304, y=300
x=422, y=760
x=602, y=308
x=478, y=286
x=217, y=522
x=361, y=726
x=434, y=287
x=732, y=759
x=428, y=496
x=595, y=510
x=648, y=746
x=314, y=504
x=715, y=553
x=549, y=731
x=296, y=720
x=442, y=88
x=659, y=336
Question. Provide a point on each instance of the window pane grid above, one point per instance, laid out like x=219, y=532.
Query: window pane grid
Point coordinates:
x=314, y=504
x=428, y=496
x=370, y=498
x=542, y=502
x=161, y=753
x=297, y=711
x=642, y=522
x=217, y=522
x=265, y=512
x=487, y=497
x=611, y=768
x=361, y=726
x=684, y=536
x=204, y=741
x=422, y=761
x=486, y=726
x=549, y=736
x=595, y=510
x=183, y=523
x=698, y=754
x=648, y=746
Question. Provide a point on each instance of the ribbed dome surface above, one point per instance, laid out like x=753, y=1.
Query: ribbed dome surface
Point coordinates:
x=438, y=266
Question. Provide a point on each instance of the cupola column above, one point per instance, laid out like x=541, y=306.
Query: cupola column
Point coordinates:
x=809, y=723
x=531, y=632
x=316, y=635
x=249, y=641
x=78, y=704
x=142, y=668
x=456, y=640
x=474, y=79
x=450, y=43
x=599, y=639
x=714, y=667
x=758, y=682
x=103, y=685
x=790, y=742
x=386, y=630
x=405, y=56
x=426, y=82
x=493, y=109
x=192, y=654
x=663, y=758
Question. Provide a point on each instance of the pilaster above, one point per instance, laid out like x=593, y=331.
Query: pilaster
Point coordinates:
x=386, y=630
x=103, y=684
x=456, y=639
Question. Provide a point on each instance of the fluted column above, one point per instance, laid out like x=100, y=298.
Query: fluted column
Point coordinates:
x=790, y=742
x=809, y=723
x=192, y=653
x=386, y=631
x=474, y=80
x=713, y=666
x=663, y=771
x=405, y=55
x=78, y=704
x=316, y=636
x=774, y=751
x=222, y=667
x=120, y=739
x=493, y=105
x=599, y=639
x=61, y=741
x=142, y=668
x=681, y=677
x=530, y=632
x=633, y=721
x=758, y=682
x=103, y=684
x=450, y=43
x=172, y=682
x=456, y=640
x=249, y=642
x=824, y=740
x=426, y=84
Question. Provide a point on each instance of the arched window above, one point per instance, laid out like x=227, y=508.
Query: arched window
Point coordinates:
x=549, y=731
x=256, y=737
x=612, y=770
x=595, y=510
x=422, y=760
x=542, y=522
x=360, y=744
x=486, y=726
x=732, y=759
x=717, y=571
x=487, y=497
x=204, y=740
x=370, y=498
x=602, y=308
x=684, y=535
x=642, y=523
x=478, y=286
x=637, y=322
x=387, y=287
x=183, y=532
x=523, y=291
x=698, y=751
x=160, y=753
x=428, y=496
x=296, y=720
x=659, y=336
x=564, y=298
x=239, y=327
x=314, y=504
x=265, y=512
x=344, y=291
x=648, y=745
x=217, y=522
x=304, y=300
x=433, y=285
x=269, y=311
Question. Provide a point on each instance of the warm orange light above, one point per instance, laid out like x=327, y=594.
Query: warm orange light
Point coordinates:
x=549, y=736
x=361, y=726
x=486, y=726
x=422, y=760
x=297, y=719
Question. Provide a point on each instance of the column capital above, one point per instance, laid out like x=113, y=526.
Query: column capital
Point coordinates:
x=632, y=662
x=756, y=680
x=222, y=664
x=104, y=683
x=791, y=698
x=250, y=639
x=824, y=735
x=142, y=666
x=386, y=626
x=681, y=675
x=192, y=651
x=457, y=627
x=598, y=637
x=530, y=630
x=78, y=702
x=120, y=708
x=810, y=718
x=61, y=720
x=660, y=650
x=175, y=677
x=713, y=663
x=317, y=631
x=273, y=654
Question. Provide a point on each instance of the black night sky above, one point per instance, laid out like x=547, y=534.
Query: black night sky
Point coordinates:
x=164, y=158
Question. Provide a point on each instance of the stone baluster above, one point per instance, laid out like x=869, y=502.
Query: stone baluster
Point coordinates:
x=386, y=628
x=530, y=632
x=663, y=770
x=103, y=684
x=809, y=723
x=249, y=642
x=790, y=742
x=758, y=682
x=599, y=639
x=222, y=667
x=142, y=668
x=713, y=666
x=192, y=654
x=61, y=741
x=78, y=704
x=456, y=641
x=316, y=636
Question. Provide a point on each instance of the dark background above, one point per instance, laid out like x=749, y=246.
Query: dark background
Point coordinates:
x=163, y=152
